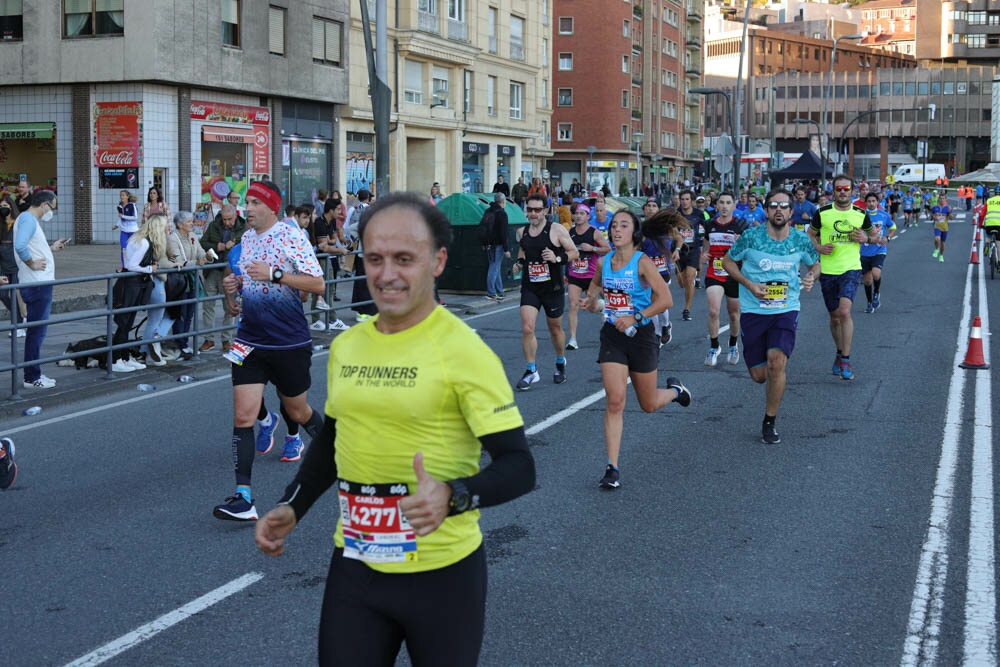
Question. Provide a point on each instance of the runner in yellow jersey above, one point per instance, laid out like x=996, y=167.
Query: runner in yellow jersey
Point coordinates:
x=413, y=396
x=837, y=232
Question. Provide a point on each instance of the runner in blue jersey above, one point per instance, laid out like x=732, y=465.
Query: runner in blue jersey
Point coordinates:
x=908, y=218
x=633, y=292
x=803, y=210
x=754, y=213
x=769, y=298
x=873, y=254
x=272, y=343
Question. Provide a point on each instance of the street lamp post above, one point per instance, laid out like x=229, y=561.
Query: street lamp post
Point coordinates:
x=637, y=137
x=826, y=97
x=822, y=158
x=586, y=172
x=729, y=117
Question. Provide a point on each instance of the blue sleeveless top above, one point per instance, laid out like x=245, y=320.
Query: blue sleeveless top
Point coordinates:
x=624, y=292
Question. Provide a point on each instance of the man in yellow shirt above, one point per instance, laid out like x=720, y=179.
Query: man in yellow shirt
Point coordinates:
x=837, y=232
x=414, y=395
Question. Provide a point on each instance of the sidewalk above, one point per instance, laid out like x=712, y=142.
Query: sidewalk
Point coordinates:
x=87, y=260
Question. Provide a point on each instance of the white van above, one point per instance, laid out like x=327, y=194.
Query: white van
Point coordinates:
x=914, y=173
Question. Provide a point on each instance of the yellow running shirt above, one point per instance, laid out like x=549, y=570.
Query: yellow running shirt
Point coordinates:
x=835, y=226
x=434, y=388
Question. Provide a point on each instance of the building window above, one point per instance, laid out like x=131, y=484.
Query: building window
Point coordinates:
x=276, y=30
x=564, y=132
x=491, y=24
x=625, y=67
x=85, y=18
x=491, y=96
x=976, y=18
x=544, y=94
x=624, y=134
x=413, y=84
x=456, y=10
x=516, y=95
x=11, y=20
x=565, y=97
x=625, y=29
x=327, y=41
x=439, y=86
x=624, y=99
x=516, y=38
x=975, y=41
x=468, y=91
x=230, y=22
x=565, y=25
x=565, y=62
x=545, y=52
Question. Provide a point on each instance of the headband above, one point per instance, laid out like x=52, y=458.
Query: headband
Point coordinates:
x=583, y=207
x=266, y=195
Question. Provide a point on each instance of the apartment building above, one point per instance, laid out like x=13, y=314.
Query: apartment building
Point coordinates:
x=471, y=94
x=622, y=109
x=963, y=31
x=106, y=95
x=889, y=25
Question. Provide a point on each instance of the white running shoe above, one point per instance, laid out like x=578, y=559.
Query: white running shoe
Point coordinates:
x=41, y=383
x=734, y=355
x=136, y=364
x=318, y=325
x=713, y=356
x=572, y=344
x=339, y=325
x=122, y=366
x=321, y=304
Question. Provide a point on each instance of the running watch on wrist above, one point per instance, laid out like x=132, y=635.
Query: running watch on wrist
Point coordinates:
x=277, y=275
x=460, y=500
x=639, y=317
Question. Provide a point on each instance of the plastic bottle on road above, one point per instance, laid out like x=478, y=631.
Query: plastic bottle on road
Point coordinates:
x=185, y=379
x=33, y=410
x=146, y=387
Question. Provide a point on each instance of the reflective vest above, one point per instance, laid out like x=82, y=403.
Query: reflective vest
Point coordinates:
x=992, y=218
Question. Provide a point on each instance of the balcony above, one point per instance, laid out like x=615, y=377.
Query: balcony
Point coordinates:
x=458, y=30
x=692, y=69
x=697, y=156
x=694, y=14
x=428, y=22
x=694, y=128
x=693, y=42
x=636, y=114
x=637, y=11
x=516, y=51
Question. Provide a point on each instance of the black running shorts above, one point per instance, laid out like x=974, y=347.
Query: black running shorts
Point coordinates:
x=641, y=353
x=287, y=370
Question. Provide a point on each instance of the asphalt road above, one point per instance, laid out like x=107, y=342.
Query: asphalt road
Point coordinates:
x=849, y=543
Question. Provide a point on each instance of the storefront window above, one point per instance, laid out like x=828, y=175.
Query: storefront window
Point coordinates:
x=27, y=150
x=307, y=171
x=473, y=162
x=223, y=170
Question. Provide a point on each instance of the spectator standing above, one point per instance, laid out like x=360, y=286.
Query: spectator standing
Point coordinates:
x=23, y=200
x=575, y=189
x=500, y=186
x=8, y=265
x=519, y=192
x=154, y=204
x=128, y=219
x=184, y=247
x=319, y=203
x=436, y=195
x=352, y=234
x=220, y=236
x=35, y=264
x=495, y=245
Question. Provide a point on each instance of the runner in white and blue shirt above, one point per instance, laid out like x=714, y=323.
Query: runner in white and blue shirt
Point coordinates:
x=873, y=254
x=769, y=297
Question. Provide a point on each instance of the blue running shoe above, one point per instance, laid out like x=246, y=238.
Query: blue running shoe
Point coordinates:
x=845, y=371
x=876, y=303
x=236, y=508
x=836, y=365
x=265, y=435
x=293, y=448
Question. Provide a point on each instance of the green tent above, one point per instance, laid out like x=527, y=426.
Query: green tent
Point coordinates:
x=467, y=263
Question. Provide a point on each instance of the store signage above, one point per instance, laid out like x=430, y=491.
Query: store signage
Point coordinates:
x=258, y=118
x=26, y=130
x=118, y=134
x=506, y=151
x=473, y=147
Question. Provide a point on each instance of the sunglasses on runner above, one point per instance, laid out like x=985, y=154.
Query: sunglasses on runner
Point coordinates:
x=533, y=209
x=775, y=205
x=843, y=188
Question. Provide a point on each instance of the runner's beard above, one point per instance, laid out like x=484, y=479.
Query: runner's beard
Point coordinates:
x=777, y=225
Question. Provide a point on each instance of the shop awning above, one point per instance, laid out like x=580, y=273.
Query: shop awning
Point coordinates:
x=27, y=130
x=227, y=135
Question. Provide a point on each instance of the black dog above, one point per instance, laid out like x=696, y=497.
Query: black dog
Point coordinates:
x=90, y=360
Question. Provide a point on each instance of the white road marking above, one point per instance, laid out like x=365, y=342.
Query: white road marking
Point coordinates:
x=168, y=620
x=568, y=412
x=980, y=598
x=924, y=626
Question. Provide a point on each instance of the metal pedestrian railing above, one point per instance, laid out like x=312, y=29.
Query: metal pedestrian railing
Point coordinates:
x=106, y=316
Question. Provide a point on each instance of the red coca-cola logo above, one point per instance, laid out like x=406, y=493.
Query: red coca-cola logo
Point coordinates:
x=119, y=159
x=198, y=110
x=262, y=117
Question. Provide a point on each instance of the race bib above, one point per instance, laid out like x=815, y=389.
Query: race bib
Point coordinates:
x=375, y=530
x=688, y=235
x=238, y=352
x=717, y=268
x=579, y=266
x=775, y=294
x=660, y=263
x=617, y=303
x=538, y=272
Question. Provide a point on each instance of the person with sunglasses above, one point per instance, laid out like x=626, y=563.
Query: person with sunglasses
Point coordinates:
x=837, y=232
x=769, y=298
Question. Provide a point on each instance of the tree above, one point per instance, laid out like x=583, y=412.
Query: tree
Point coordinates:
x=623, y=188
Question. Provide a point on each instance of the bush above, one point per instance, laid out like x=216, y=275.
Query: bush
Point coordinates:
x=623, y=188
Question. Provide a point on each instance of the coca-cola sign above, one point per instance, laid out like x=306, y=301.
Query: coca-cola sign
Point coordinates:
x=229, y=113
x=118, y=134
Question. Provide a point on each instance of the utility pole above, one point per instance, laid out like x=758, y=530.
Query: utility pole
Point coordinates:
x=378, y=78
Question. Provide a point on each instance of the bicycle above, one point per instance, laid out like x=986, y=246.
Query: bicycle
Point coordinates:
x=993, y=256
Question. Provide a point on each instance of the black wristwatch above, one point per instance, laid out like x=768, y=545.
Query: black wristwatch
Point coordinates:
x=277, y=275
x=639, y=317
x=460, y=500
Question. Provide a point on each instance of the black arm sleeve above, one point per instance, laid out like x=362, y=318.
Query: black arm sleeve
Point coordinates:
x=316, y=474
x=510, y=473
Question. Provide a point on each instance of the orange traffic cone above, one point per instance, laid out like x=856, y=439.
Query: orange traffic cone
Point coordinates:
x=974, y=355
x=977, y=233
x=975, y=255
